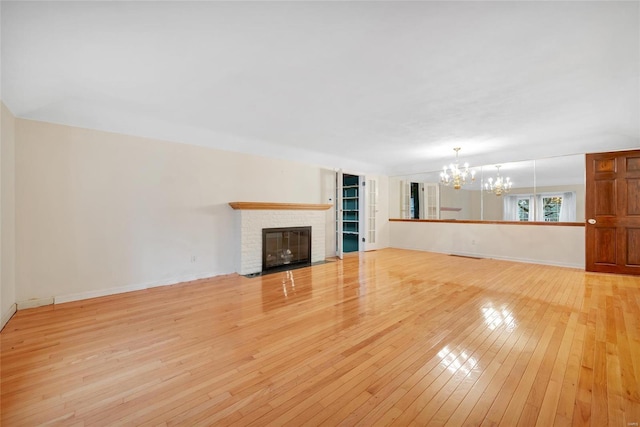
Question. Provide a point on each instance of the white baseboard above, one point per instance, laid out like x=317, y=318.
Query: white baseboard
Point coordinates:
x=543, y=262
x=504, y=258
x=7, y=316
x=34, y=302
x=98, y=293
x=525, y=260
x=137, y=287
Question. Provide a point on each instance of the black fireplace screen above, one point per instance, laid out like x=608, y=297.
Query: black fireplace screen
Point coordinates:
x=284, y=248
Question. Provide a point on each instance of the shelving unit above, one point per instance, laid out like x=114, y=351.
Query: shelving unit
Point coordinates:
x=350, y=212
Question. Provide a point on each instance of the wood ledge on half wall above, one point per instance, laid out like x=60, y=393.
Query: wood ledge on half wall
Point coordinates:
x=469, y=221
x=280, y=206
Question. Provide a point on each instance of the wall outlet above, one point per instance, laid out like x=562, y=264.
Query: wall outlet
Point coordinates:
x=194, y=258
x=473, y=242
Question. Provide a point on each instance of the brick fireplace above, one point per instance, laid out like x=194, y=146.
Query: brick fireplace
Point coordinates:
x=252, y=217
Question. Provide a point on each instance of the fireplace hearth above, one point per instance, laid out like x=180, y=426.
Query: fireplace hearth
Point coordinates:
x=285, y=248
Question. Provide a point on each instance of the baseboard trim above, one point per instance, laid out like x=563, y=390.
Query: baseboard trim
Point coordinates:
x=60, y=299
x=541, y=262
x=8, y=315
x=34, y=302
x=131, y=288
x=503, y=258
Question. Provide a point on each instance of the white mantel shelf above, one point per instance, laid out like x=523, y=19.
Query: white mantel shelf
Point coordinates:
x=279, y=206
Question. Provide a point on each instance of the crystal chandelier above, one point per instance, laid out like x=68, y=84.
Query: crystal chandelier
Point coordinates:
x=456, y=176
x=499, y=186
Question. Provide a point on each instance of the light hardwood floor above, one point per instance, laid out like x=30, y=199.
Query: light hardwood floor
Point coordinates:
x=389, y=337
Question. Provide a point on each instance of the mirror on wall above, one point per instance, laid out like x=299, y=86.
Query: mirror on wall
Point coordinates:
x=498, y=206
x=560, y=189
x=550, y=190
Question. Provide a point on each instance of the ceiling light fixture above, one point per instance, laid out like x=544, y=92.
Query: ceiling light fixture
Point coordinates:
x=456, y=176
x=500, y=186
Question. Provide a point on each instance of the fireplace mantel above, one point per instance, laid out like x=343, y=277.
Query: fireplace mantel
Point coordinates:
x=279, y=206
x=250, y=218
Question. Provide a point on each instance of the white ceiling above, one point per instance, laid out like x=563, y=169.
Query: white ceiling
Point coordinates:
x=386, y=87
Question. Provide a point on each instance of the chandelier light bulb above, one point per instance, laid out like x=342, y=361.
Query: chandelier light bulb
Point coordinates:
x=500, y=186
x=456, y=176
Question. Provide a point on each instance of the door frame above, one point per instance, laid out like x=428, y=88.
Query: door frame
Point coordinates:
x=339, y=223
x=363, y=217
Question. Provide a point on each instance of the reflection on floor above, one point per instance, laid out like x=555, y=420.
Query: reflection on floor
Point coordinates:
x=387, y=337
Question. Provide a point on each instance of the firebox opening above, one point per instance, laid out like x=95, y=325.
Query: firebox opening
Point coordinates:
x=285, y=248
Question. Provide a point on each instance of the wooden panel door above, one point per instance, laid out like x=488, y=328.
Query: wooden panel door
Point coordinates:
x=613, y=212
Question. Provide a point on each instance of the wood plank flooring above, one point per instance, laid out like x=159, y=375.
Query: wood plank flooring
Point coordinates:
x=392, y=337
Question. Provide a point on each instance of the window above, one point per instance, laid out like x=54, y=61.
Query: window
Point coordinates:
x=523, y=209
x=547, y=207
x=551, y=208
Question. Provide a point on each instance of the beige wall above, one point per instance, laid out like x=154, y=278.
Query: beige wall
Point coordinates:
x=7, y=216
x=492, y=207
x=395, y=204
x=456, y=199
x=541, y=244
x=99, y=213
